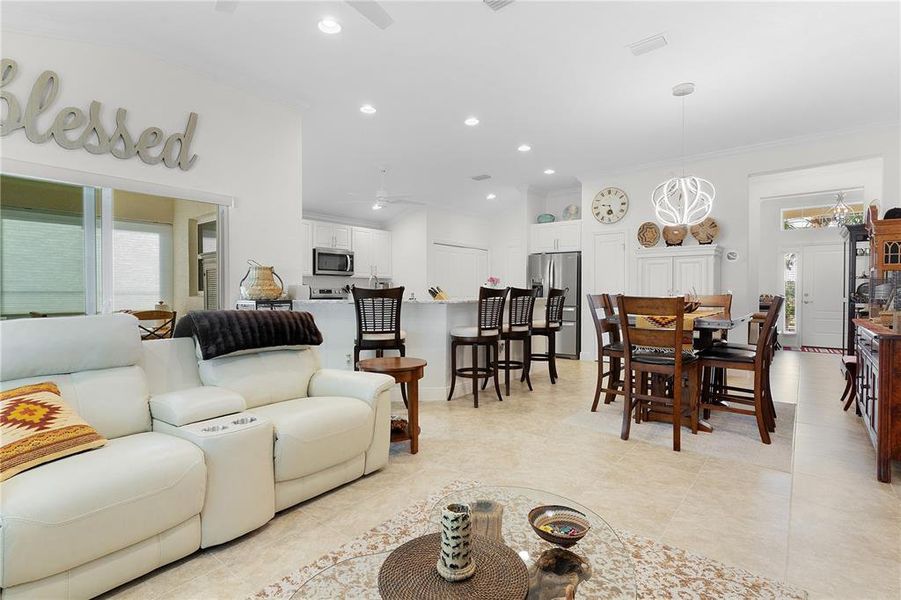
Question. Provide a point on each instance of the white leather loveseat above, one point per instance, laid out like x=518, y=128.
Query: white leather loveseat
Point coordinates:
x=199, y=452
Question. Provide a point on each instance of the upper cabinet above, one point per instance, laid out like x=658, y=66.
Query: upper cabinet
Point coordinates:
x=565, y=236
x=372, y=252
x=331, y=235
x=679, y=270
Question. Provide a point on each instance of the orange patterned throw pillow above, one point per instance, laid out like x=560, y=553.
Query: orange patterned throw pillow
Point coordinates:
x=36, y=426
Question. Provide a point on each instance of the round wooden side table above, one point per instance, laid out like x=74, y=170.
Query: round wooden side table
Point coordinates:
x=404, y=370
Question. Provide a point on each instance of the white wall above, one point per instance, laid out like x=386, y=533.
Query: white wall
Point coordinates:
x=247, y=148
x=409, y=258
x=730, y=173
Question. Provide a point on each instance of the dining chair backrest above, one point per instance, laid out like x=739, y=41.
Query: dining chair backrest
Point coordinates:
x=601, y=306
x=378, y=311
x=520, y=309
x=652, y=337
x=553, y=310
x=155, y=324
x=491, y=308
x=768, y=330
x=723, y=301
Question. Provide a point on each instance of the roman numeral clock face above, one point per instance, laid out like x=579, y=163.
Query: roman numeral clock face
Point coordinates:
x=610, y=205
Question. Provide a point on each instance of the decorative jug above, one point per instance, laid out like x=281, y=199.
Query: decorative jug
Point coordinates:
x=259, y=283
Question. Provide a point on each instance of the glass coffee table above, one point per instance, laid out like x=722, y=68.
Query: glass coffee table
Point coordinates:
x=603, y=566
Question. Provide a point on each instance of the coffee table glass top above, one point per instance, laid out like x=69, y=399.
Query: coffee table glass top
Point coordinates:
x=602, y=565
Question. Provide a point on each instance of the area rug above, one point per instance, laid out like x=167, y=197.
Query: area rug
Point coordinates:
x=816, y=349
x=661, y=571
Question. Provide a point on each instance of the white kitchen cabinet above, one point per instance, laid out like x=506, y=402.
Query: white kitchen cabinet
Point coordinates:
x=372, y=252
x=331, y=235
x=679, y=270
x=306, y=247
x=565, y=236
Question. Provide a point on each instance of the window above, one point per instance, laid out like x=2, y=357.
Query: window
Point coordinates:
x=818, y=217
x=42, y=256
x=142, y=265
x=790, y=279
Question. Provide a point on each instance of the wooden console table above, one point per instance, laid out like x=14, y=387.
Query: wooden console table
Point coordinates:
x=878, y=351
x=405, y=371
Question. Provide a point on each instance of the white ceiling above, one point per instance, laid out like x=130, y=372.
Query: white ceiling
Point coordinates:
x=556, y=75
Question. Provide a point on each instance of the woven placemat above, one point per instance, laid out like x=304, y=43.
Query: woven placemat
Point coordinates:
x=409, y=573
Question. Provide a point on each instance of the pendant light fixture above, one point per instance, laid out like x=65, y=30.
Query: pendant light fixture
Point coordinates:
x=841, y=211
x=684, y=200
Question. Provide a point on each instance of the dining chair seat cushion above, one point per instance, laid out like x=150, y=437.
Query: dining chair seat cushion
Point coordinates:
x=614, y=347
x=516, y=328
x=472, y=331
x=542, y=324
x=729, y=354
x=661, y=358
x=382, y=337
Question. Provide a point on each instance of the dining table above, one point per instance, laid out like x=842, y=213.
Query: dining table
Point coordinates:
x=704, y=325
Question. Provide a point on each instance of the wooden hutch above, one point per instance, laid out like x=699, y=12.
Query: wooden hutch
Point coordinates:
x=878, y=350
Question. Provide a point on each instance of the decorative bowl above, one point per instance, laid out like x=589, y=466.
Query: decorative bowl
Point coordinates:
x=690, y=307
x=559, y=525
x=546, y=218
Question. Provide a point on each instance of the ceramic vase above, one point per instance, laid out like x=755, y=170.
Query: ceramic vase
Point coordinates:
x=455, y=561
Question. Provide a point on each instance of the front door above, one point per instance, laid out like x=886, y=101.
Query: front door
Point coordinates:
x=821, y=296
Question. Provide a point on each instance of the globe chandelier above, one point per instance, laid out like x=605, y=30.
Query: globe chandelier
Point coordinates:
x=684, y=200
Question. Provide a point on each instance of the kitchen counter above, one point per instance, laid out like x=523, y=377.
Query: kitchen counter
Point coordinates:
x=417, y=301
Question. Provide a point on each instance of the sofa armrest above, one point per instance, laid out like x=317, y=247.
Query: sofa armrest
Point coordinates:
x=353, y=384
x=191, y=405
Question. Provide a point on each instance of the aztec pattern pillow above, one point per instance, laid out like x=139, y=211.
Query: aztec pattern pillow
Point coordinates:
x=36, y=426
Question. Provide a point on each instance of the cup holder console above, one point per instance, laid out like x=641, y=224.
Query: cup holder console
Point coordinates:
x=214, y=428
x=244, y=421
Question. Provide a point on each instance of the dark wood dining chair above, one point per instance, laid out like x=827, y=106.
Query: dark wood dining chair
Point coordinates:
x=155, y=324
x=378, y=323
x=486, y=334
x=601, y=306
x=849, y=370
x=517, y=327
x=658, y=354
x=758, y=398
x=548, y=328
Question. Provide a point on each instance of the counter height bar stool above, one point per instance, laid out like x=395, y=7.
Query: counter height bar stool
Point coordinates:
x=612, y=351
x=486, y=334
x=378, y=324
x=548, y=327
x=517, y=327
x=658, y=353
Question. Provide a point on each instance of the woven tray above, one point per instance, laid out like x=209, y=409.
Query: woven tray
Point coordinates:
x=409, y=573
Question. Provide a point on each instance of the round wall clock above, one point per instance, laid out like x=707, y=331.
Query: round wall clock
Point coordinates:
x=610, y=205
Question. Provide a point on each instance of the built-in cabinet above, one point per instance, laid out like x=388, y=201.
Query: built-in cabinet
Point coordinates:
x=331, y=235
x=678, y=270
x=565, y=236
x=372, y=252
x=371, y=247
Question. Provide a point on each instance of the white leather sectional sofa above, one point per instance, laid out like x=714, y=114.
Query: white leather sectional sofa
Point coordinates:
x=199, y=452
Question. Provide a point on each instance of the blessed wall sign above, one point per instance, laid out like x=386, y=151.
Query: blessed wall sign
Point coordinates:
x=73, y=129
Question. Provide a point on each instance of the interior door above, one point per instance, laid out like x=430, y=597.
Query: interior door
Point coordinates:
x=609, y=263
x=821, y=296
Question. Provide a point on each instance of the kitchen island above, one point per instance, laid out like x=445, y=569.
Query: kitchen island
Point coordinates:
x=427, y=324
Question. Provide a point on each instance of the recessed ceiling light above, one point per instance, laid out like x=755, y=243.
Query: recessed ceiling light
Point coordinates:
x=330, y=26
x=377, y=206
x=490, y=196
x=471, y=121
x=549, y=171
x=367, y=109
x=524, y=148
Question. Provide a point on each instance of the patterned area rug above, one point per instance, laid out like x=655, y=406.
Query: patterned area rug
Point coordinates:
x=817, y=349
x=661, y=571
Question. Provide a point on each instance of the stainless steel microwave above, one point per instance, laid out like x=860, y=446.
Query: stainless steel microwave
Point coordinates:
x=333, y=261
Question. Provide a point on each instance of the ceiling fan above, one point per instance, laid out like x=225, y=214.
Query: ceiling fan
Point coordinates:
x=370, y=9
x=382, y=198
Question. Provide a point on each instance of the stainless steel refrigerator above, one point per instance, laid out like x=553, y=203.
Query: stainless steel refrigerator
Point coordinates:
x=561, y=270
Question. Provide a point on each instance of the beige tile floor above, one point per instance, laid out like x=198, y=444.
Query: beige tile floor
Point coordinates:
x=807, y=509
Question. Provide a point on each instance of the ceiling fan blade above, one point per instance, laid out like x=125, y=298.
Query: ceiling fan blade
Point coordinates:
x=373, y=11
x=226, y=6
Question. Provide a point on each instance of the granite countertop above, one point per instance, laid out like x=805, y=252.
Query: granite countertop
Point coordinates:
x=406, y=301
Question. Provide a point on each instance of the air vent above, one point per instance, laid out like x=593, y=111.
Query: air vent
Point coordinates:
x=226, y=6
x=496, y=5
x=655, y=42
x=481, y=177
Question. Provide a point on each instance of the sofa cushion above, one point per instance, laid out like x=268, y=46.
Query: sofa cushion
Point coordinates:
x=263, y=377
x=312, y=434
x=36, y=426
x=112, y=401
x=74, y=510
x=35, y=347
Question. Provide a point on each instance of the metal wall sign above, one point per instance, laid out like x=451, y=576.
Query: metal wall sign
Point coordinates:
x=74, y=129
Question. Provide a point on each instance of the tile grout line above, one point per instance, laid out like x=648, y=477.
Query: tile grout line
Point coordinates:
x=791, y=495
